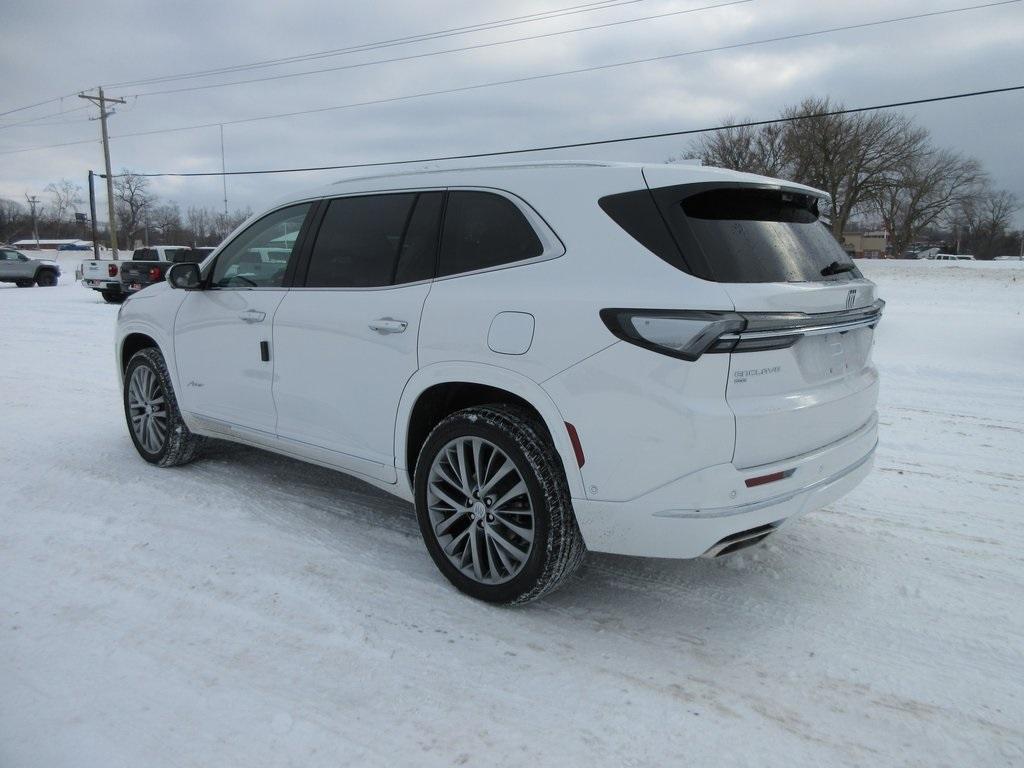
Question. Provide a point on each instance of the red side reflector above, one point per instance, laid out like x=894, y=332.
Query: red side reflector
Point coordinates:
x=577, y=448
x=764, y=479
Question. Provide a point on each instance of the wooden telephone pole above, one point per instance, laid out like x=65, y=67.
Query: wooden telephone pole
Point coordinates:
x=101, y=101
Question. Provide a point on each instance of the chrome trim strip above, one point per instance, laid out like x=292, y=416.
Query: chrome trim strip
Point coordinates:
x=780, y=499
x=812, y=330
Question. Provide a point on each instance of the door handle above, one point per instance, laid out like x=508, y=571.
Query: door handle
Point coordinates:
x=388, y=325
x=253, y=316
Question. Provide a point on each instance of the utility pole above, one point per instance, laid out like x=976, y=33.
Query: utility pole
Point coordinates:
x=223, y=173
x=32, y=203
x=101, y=101
x=92, y=216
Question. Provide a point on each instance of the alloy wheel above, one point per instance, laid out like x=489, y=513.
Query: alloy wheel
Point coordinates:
x=480, y=510
x=147, y=409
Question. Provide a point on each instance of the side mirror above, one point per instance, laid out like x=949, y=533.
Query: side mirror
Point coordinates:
x=185, y=276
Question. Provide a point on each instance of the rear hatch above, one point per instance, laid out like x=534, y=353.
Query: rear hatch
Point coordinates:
x=800, y=374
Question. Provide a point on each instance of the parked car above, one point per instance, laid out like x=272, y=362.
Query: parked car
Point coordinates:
x=75, y=247
x=149, y=265
x=950, y=257
x=665, y=361
x=1008, y=258
x=17, y=268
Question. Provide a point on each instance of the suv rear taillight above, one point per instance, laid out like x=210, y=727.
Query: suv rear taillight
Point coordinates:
x=155, y=273
x=689, y=334
x=112, y=270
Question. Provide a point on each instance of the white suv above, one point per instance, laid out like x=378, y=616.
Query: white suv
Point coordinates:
x=666, y=361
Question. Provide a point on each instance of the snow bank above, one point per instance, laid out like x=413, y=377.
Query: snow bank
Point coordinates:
x=250, y=610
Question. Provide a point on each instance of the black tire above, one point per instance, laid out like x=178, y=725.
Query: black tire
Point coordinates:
x=558, y=547
x=46, y=278
x=179, y=446
x=112, y=297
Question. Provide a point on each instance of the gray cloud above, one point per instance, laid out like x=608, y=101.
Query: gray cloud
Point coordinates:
x=57, y=48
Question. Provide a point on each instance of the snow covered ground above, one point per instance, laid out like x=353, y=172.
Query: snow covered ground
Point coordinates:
x=251, y=610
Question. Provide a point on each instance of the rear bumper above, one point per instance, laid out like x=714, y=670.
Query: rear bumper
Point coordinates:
x=692, y=516
x=102, y=285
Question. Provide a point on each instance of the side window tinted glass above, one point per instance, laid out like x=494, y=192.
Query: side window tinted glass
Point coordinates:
x=484, y=230
x=359, y=240
x=419, y=248
x=258, y=257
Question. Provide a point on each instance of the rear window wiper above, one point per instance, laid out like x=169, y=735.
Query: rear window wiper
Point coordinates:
x=836, y=268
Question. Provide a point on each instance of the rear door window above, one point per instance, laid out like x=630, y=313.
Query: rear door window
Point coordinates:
x=484, y=230
x=376, y=240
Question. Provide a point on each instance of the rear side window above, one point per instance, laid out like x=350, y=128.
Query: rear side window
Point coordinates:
x=376, y=240
x=483, y=230
x=734, y=234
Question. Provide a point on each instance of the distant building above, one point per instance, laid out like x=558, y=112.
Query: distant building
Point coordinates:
x=29, y=244
x=866, y=245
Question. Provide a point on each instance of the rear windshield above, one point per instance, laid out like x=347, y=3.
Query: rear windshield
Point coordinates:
x=739, y=234
x=145, y=254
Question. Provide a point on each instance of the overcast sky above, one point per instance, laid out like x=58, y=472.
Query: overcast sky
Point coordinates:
x=55, y=48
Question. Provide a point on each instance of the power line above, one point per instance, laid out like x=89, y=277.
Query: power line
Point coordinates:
x=37, y=104
x=362, y=47
x=30, y=120
x=599, y=142
x=482, y=26
x=428, y=54
x=533, y=78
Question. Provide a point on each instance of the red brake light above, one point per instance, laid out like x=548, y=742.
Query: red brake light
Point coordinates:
x=112, y=270
x=155, y=273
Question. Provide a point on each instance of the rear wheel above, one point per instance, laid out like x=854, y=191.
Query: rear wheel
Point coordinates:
x=494, y=507
x=46, y=278
x=112, y=297
x=154, y=421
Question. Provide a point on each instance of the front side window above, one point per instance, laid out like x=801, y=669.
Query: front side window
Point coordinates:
x=484, y=230
x=259, y=256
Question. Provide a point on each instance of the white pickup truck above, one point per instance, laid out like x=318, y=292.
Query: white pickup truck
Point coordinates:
x=102, y=275
x=105, y=276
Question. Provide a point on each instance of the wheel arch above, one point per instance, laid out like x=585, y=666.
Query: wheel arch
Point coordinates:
x=134, y=342
x=438, y=390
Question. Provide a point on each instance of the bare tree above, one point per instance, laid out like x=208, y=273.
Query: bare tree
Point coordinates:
x=760, y=149
x=66, y=197
x=13, y=219
x=982, y=220
x=133, y=199
x=166, y=219
x=849, y=156
x=922, y=190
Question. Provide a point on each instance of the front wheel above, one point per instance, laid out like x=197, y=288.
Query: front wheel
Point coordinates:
x=47, y=278
x=154, y=421
x=494, y=507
